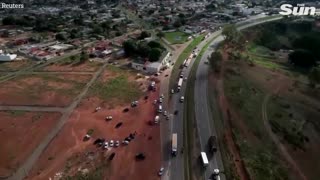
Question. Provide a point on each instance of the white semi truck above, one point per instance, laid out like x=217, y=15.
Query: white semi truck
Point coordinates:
x=180, y=83
x=174, y=144
x=204, y=159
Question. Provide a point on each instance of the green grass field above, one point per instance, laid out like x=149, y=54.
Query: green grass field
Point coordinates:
x=118, y=90
x=176, y=37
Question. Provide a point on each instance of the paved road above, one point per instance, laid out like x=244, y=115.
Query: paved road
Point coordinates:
x=31, y=108
x=203, y=112
x=23, y=170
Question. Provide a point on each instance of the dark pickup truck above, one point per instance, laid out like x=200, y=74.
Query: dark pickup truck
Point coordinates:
x=212, y=144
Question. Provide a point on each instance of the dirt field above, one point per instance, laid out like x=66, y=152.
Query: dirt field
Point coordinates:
x=15, y=65
x=85, y=67
x=46, y=90
x=21, y=132
x=71, y=154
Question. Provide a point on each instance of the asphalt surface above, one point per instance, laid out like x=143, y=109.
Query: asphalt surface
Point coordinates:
x=203, y=112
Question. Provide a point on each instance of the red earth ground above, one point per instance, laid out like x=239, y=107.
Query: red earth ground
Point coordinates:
x=21, y=132
x=124, y=166
x=40, y=90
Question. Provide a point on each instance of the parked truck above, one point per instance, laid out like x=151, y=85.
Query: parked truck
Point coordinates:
x=187, y=63
x=204, y=159
x=180, y=84
x=212, y=144
x=174, y=144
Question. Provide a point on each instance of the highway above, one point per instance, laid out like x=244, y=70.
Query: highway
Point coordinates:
x=205, y=122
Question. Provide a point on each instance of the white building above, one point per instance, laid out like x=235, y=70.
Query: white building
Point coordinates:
x=151, y=67
x=7, y=57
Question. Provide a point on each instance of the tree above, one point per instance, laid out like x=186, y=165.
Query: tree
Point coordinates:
x=302, y=58
x=177, y=23
x=314, y=76
x=233, y=36
x=60, y=37
x=154, y=54
x=160, y=34
x=215, y=61
x=83, y=56
x=143, y=50
x=129, y=47
x=144, y=34
x=154, y=44
x=73, y=58
x=230, y=32
x=10, y=20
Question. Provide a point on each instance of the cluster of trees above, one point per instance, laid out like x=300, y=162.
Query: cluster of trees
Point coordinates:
x=151, y=50
x=233, y=36
x=215, y=60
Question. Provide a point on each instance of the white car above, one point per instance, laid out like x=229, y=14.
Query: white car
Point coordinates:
x=125, y=142
x=172, y=91
x=117, y=144
x=165, y=113
x=160, y=100
x=111, y=143
x=162, y=96
x=160, y=173
x=109, y=118
x=105, y=145
x=181, y=99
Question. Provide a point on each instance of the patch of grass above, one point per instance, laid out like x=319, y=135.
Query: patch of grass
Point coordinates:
x=176, y=37
x=74, y=59
x=261, y=161
x=187, y=51
x=118, y=89
x=285, y=123
x=17, y=113
x=95, y=174
x=246, y=98
x=90, y=132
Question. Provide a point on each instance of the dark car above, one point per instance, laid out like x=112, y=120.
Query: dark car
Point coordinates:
x=140, y=156
x=126, y=110
x=112, y=156
x=176, y=112
x=100, y=143
x=118, y=125
x=97, y=141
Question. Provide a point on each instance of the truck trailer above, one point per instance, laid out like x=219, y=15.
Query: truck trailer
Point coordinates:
x=180, y=83
x=204, y=159
x=174, y=144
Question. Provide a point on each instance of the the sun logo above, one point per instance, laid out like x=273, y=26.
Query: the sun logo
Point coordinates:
x=299, y=10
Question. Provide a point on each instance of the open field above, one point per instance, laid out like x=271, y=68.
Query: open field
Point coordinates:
x=176, y=37
x=46, y=90
x=21, y=132
x=69, y=65
x=117, y=86
x=15, y=65
x=66, y=156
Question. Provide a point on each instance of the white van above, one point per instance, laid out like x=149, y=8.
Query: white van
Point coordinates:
x=156, y=119
x=160, y=108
